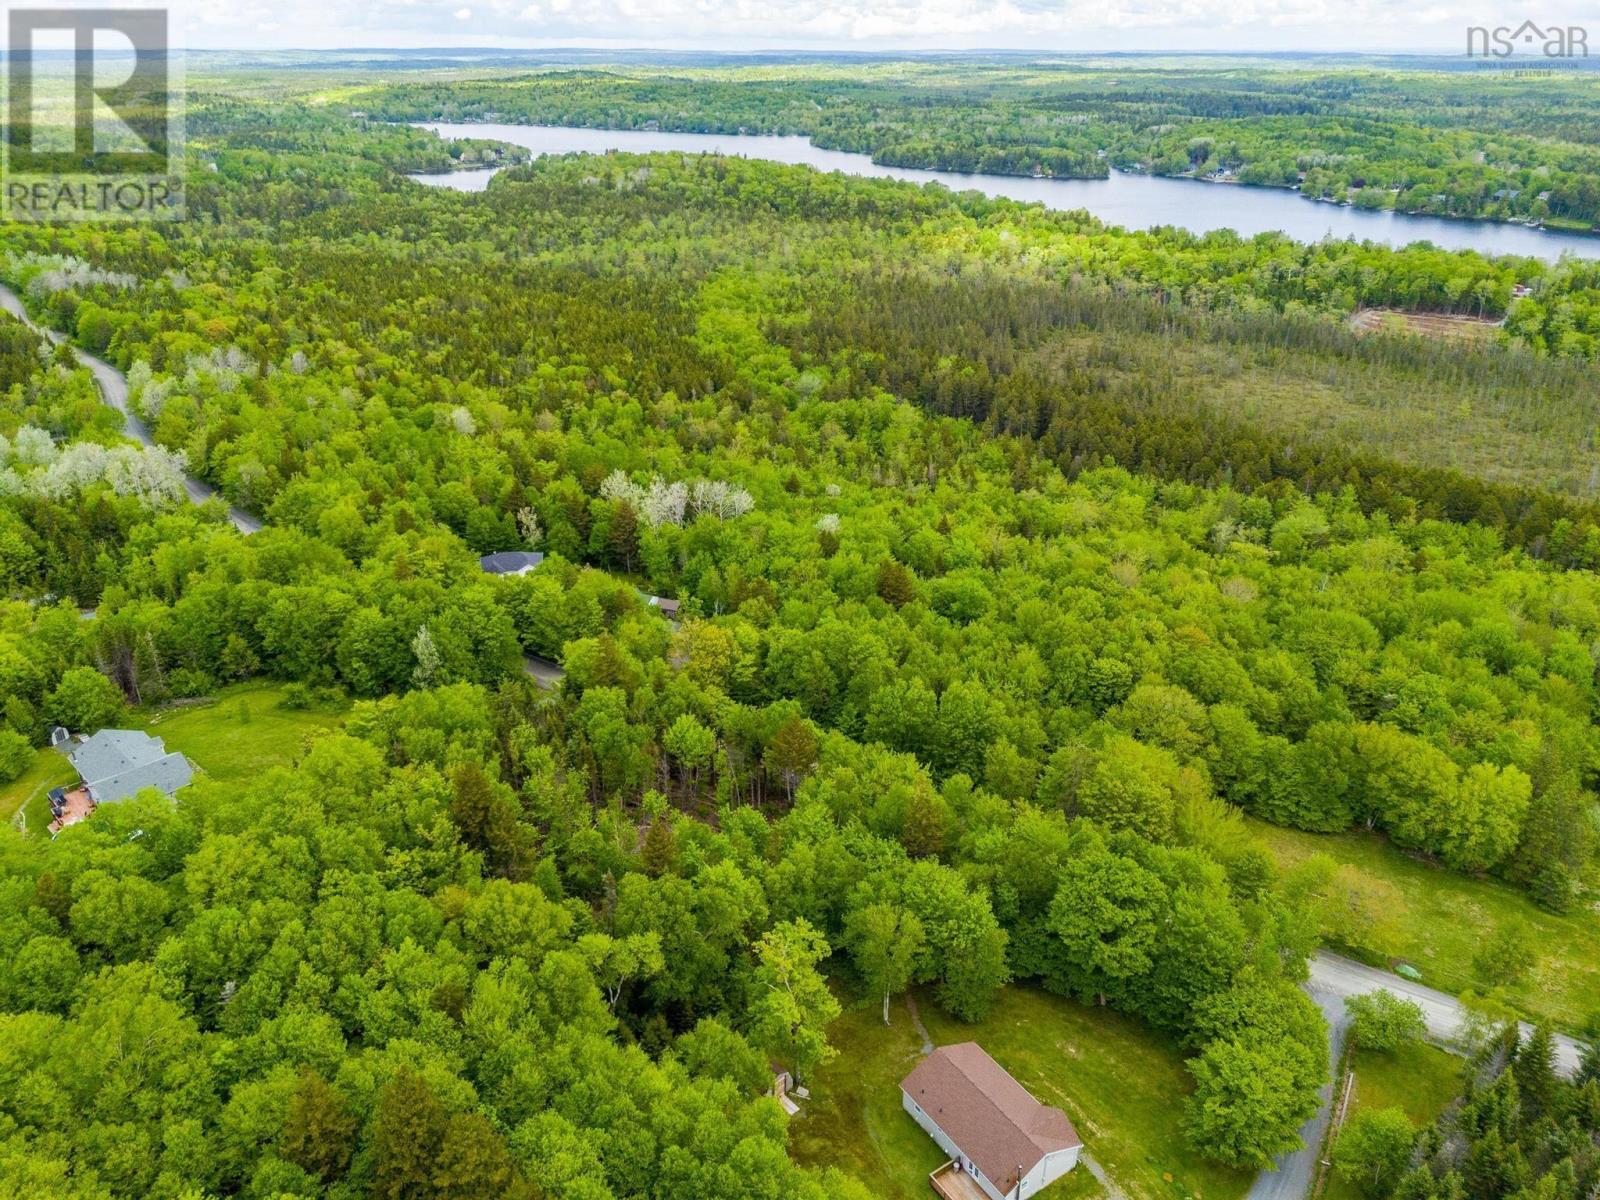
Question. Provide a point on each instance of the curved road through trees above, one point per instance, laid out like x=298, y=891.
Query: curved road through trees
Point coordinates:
x=1333, y=980
x=114, y=391
x=113, y=387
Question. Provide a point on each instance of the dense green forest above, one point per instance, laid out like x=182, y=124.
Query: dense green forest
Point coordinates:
x=1334, y=137
x=991, y=629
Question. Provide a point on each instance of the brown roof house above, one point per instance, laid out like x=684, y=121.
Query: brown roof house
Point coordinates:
x=996, y=1134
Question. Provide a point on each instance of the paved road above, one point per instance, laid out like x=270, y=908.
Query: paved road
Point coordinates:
x=1442, y=1011
x=1291, y=1174
x=114, y=390
x=546, y=673
x=1332, y=980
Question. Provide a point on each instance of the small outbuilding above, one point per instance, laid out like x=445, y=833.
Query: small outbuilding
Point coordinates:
x=511, y=562
x=997, y=1135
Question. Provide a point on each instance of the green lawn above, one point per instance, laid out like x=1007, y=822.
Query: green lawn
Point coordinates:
x=1121, y=1083
x=1437, y=919
x=28, y=794
x=244, y=732
x=1420, y=1079
x=240, y=732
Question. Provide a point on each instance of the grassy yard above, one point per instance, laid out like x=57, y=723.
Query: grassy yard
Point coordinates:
x=239, y=733
x=1420, y=1079
x=1120, y=1082
x=244, y=732
x=28, y=794
x=1437, y=919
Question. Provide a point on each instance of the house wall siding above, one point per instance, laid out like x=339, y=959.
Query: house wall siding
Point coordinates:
x=1049, y=1169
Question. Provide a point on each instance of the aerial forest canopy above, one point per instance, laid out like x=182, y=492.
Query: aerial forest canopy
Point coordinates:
x=1463, y=144
x=1011, y=579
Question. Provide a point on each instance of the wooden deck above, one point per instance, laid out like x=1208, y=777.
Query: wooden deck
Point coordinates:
x=76, y=808
x=956, y=1185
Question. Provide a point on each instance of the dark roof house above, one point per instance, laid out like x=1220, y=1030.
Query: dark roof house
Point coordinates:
x=510, y=562
x=996, y=1133
x=117, y=763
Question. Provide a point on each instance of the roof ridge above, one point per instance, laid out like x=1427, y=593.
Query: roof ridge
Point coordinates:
x=990, y=1100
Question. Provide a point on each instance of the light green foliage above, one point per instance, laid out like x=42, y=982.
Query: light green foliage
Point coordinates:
x=1374, y=1148
x=1506, y=956
x=884, y=942
x=791, y=1006
x=16, y=755
x=1384, y=1022
x=85, y=701
x=1136, y=786
x=1247, y=1104
x=618, y=961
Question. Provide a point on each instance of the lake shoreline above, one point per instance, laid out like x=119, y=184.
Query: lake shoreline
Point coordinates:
x=1132, y=200
x=1576, y=230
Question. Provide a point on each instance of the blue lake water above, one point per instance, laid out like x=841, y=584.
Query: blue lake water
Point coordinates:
x=1132, y=201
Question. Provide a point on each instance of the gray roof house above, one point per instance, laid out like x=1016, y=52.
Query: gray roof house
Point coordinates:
x=511, y=562
x=118, y=763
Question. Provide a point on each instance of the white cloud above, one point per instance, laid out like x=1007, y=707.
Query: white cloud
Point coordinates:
x=1069, y=25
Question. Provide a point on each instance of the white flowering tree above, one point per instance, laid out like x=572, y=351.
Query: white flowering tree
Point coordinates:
x=32, y=464
x=663, y=503
x=722, y=500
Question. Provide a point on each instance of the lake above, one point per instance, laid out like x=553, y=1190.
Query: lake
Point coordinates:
x=1130, y=200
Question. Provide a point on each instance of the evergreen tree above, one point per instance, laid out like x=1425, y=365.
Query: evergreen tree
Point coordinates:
x=473, y=1162
x=408, y=1132
x=485, y=817
x=1534, y=1070
x=320, y=1130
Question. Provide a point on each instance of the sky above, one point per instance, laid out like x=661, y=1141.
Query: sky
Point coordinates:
x=1373, y=26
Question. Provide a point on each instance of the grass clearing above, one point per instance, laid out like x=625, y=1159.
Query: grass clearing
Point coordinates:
x=1419, y=1079
x=1121, y=1082
x=243, y=731
x=1437, y=919
x=233, y=736
x=25, y=800
x=1450, y=326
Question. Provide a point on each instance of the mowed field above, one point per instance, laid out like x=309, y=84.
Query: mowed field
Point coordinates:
x=234, y=735
x=1122, y=1083
x=1438, y=920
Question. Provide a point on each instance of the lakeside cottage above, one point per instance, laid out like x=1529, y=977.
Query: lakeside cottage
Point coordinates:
x=1003, y=1144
